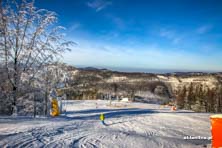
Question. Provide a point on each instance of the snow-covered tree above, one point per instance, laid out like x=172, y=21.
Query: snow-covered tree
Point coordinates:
x=29, y=39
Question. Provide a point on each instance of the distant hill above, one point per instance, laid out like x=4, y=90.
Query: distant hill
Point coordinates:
x=91, y=82
x=93, y=69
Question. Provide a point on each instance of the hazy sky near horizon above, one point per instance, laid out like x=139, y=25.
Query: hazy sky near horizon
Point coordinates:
x=142, y=34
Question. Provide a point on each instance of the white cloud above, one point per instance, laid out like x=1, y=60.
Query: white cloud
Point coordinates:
x=204, y=29
x=98, y=5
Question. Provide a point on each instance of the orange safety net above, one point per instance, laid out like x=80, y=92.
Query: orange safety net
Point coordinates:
x=216, y=130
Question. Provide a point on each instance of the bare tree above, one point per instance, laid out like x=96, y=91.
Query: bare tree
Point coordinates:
x=29, y=39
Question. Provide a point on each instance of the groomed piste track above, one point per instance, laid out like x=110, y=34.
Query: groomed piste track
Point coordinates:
x=128, y=125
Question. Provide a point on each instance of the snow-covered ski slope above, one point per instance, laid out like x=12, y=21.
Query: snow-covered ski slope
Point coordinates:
x=128, y=125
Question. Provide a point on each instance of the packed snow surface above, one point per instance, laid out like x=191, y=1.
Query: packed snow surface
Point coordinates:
x=128, y=125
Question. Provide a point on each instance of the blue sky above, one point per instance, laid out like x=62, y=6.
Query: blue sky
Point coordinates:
x=138, y=35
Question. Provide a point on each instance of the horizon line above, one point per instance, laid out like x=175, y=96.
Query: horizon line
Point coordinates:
x=145, y=70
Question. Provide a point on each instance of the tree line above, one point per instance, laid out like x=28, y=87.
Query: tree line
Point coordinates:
x=200, y=98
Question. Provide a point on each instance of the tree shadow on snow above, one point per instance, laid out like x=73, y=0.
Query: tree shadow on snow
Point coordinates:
x=87, y=111
x=109, y=113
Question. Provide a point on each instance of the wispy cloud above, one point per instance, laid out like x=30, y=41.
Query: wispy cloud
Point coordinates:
x=117, y=21
x=98, y=5
x=170, y=35
x=204, y=29
x=177, y=40
x=74, y=26
x=166, y=33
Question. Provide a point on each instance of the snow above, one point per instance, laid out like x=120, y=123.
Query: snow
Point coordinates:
x=127, y=125
x=216, y=116
x=125, y=99
x=116, y=79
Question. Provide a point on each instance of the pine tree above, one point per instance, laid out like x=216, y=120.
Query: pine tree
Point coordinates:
x=199, y=93
x=180, y=100
x=189, y=98
x=220, y=100
x=210, y=100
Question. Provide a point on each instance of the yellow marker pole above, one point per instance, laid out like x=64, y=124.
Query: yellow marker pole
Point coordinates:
x=55, y=108
x=216, y=130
